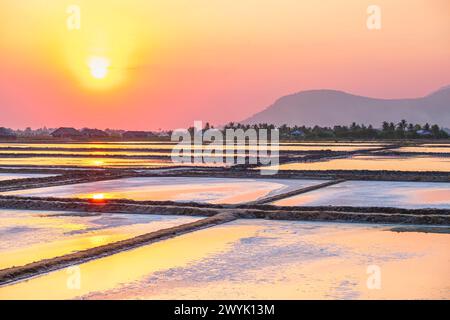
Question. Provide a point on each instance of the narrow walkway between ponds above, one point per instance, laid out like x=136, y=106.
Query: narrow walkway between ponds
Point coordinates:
x=295, y=192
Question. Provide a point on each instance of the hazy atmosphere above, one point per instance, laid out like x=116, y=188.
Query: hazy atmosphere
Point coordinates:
x=171, y=62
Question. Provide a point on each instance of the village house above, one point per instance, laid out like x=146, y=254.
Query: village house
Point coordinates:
x=66, y=133
x=94, y=133
x=6, y=133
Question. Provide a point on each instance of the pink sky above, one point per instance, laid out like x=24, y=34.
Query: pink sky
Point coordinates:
x=177, y=61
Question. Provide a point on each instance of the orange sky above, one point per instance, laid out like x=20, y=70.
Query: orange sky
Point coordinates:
x=175, y=61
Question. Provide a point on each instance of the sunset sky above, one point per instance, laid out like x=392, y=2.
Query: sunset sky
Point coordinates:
x=144, y=64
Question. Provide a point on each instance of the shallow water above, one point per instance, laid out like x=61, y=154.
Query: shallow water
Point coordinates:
x=105, y=162
x=97, y=162
x=166, y=153
x=410, y=195
x=325, y=147
x=170, y=146
x=182, y=189
x=12, y=176
x=260, y=259
x=390, y=163
x=84, y=162
x=85, y=153
x=424, y=149
x=28, y=236
x=92, y=145
x=333, y=143
x=447, y=145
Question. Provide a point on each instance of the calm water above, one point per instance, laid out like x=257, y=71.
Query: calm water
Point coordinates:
x=425, y=149
x=28, y=236
x=257, y=259
x=85, y=162
x=166, y=153
x=89, y=162
x=12, y=176
x=183, y=189
x=375, y=163
x=92, y=145
x=436, y=145
x=333, y=143
x=169, y=146
x=410, y=195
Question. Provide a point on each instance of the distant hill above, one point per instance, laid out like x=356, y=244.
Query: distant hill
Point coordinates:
x=330, y=107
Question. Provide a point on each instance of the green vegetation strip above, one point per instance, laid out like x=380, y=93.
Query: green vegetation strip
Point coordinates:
x=33, y=269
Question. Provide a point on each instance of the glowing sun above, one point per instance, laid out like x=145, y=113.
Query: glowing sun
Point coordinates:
x=98, y=196
x=99, y=67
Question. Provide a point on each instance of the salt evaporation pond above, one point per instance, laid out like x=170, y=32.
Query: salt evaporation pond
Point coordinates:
x=92, y=145
x=28, y=236
x=85, y=162
x=182, y=189
x=260, y=259
x=424, y=149
x=12, y=176
x=170, y=146
x=334, y=143
x=436, y=145
x=408, y=195
x=114, y=153
x=390, y=163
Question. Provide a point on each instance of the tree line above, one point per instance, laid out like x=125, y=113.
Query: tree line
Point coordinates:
x=388, y=130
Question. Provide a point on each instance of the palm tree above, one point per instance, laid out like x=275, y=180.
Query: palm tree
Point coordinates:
x=402, y=125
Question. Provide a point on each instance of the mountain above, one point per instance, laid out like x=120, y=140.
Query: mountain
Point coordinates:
x=331, y=107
